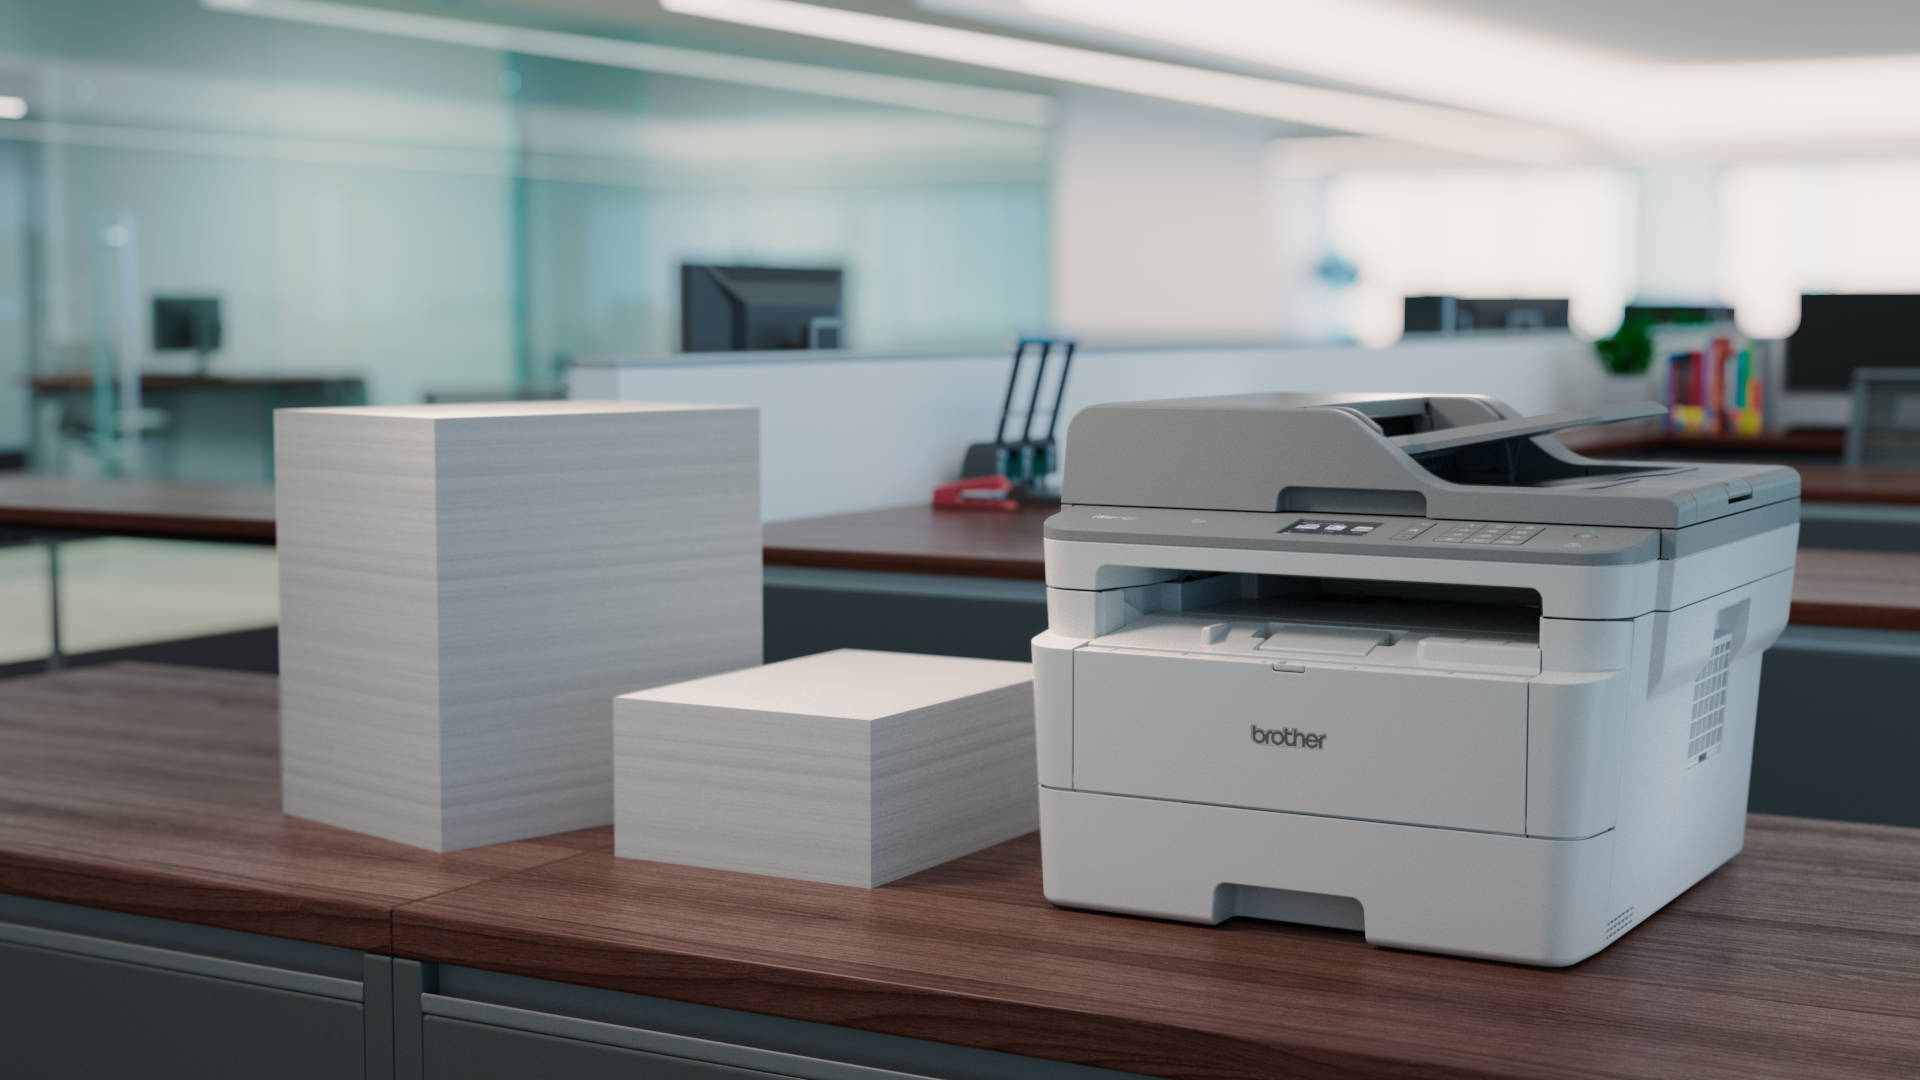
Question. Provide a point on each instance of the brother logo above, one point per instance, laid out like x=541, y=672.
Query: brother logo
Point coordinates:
x=1289, y=737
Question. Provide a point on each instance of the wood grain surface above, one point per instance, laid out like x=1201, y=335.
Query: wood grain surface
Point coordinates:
x=138, y=508
x=1874, y=590
x=156, y=790
x=1858, y=484
x=1651, y=437
x=916, y=540
x=1815, y=455
x=1800, y=958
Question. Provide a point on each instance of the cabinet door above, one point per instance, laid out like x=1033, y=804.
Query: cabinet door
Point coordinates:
x=77, y=1017
x=462, y=1050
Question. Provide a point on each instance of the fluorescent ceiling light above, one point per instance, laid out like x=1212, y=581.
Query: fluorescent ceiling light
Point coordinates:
x=1424, y=125
x=1007, y=106
x=12, y=108
x=1458, y=60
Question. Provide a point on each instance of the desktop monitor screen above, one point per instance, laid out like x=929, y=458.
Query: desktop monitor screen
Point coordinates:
x=186, y=324
x=725, y=308
x=1839, y=333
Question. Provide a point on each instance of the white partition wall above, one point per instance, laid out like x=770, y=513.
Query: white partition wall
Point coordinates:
x=844, y=432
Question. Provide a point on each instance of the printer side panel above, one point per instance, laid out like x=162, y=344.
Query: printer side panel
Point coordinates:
x=1689, y=747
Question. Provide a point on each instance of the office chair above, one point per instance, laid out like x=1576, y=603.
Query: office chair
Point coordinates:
x=1885, y=427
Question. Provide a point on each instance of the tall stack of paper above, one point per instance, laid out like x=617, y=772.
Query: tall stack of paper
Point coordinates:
x=463, y=588
x=849, y=767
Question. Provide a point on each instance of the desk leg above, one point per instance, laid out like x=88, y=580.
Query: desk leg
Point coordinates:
x=55, y=657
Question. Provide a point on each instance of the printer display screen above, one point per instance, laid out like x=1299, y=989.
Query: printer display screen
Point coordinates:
x=1349, y=528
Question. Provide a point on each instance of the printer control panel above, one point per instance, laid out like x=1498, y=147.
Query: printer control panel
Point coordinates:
x=1466, y=534
x=1361, y=533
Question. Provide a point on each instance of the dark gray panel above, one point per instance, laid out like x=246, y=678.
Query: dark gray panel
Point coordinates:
x=749, y=1041
x=411, y=979
x=76, y=1017
x=800, y=622
x=378, y=1017
x=458, y=1050
x=1835, y=736
x=1860, y=527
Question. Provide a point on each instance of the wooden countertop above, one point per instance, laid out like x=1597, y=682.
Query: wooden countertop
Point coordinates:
x=154, y=790
x=1652, y=437
x=1873, y=590
x=916, y=540
x=139, y=508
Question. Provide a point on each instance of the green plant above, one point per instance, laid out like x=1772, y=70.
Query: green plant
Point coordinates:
x=1629, y=351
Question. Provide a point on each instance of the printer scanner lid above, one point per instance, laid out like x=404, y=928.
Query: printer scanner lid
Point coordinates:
x=1450, y=456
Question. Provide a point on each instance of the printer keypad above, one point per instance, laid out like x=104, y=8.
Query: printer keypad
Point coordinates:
x=1482, y=532
x=1457, y=532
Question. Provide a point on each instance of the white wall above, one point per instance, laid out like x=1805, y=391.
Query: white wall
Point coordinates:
x=852, y=434
x=1160, y=216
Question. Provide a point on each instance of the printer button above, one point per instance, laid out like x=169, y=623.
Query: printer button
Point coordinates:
x=1214, y=633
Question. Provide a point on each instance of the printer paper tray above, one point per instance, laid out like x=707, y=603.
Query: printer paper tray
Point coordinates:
x=1299, y=735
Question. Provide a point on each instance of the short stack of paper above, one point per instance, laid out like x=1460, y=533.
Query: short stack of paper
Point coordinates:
x=463, y=588
x=849, y=767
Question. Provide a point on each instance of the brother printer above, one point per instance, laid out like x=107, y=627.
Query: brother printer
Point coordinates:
x=1399, y=664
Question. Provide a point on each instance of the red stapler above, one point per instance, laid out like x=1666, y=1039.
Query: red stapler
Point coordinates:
x=976, y=493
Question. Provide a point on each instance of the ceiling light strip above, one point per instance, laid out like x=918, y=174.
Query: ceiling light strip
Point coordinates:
x=1410, y=122
x=979, y=102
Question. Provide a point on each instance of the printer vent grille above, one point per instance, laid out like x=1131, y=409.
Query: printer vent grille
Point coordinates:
x=1620, y=922
x=1705, y=730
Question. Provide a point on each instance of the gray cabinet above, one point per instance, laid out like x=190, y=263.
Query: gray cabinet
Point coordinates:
x=87, y=993
x=461, y=1050
x=75, y=1016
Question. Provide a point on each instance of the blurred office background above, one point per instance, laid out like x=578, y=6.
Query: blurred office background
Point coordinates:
x=213, y=208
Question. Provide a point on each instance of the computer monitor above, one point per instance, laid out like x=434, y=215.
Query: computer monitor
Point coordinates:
x=731, y=308
x=1454, y=314
x=1838, y=333
x=187, y=324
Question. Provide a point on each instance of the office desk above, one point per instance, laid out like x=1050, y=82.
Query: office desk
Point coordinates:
x=234, y=512
x=218, y=428
x=153, y=791
x=1879, y=590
